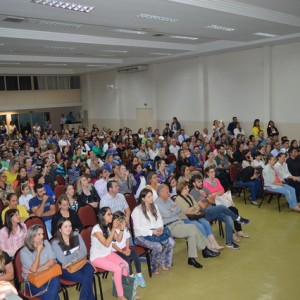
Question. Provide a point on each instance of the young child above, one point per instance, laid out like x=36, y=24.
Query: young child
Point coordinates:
x=26, y=196
x=123, y=250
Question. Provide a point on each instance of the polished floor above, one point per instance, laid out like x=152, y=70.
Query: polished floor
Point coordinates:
x=267, y=267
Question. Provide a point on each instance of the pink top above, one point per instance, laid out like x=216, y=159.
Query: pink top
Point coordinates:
x=212, y=189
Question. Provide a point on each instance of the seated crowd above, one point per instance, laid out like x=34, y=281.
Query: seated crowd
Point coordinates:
x=180, y=183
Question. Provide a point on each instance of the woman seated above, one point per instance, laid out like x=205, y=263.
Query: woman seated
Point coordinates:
x=123, y=249
x=192, y=214
x=22, y=179
x=87, y=194
x=13, y=171
x=273, y=183
x=140, y=175
x=68, y=246
x=161, y=171
x=185, y=174
x=126, y=180
x=102, y=237
x=147, y=222
x=36, y=256
x=182, y=160
x=12, y=235
x=216, y=189
x=70, y=193
x=6, y=267
x=65, y=212
x=152, y=184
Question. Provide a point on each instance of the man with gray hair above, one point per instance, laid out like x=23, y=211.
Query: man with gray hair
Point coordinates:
x=169, y=212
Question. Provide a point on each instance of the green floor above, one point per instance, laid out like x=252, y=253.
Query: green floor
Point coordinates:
x=266, y=267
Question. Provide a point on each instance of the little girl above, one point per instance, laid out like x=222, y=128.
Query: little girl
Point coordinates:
x=26, y=196
x=126, y=253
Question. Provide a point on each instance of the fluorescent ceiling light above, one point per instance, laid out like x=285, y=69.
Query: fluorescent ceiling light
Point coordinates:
x=115, y=51
x=55, y=65
x=160, y=53
x=218, y=27
x=129, y=31
x=192, y=38
x=9, y=63
x=95, y=65
x=66, y=5
x=265, y=34
x=157, y=18
x=53, y=23
x=57, y=48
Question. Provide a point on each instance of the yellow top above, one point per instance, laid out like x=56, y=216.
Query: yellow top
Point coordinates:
x=22, y=212
x=10, y=177
x=256, y=130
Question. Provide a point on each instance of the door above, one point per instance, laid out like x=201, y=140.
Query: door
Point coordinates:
x=144, y=118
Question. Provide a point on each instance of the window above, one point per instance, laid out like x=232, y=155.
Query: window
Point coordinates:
x=75, y=82
x=51, y=82
x=2, y=83
x=39, y=82
x=12, y=83
x=63, y=82
x=25, y=83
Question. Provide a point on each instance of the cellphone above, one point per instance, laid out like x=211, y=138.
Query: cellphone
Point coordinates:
x=121, y=219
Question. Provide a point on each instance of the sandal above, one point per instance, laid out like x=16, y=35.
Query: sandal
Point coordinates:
x=165, y=268
x=156, y=272
x=243, y=234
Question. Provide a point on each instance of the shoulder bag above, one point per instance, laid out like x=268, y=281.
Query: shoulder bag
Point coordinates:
x=77, y=265
x=197, y=215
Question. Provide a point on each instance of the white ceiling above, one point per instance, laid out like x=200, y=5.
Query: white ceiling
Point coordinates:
x=48, y=35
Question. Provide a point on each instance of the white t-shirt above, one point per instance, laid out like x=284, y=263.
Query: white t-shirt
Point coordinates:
x=122, y=244
x=24, y=200
x=97, y=248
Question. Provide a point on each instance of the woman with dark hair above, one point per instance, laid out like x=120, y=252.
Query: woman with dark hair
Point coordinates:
x=272, y=130
x=294, y=145
x=182, y=160
x=68, y=246
x=216, y=189
x=66, y=153
x=36, y=256
x=102, y=237
x=21, y=179
x=140, y=176
x=185, y=174
x=12, y=235
x=65, y=212
x=152, y=184
x=256, y=128
x=147, y=221
x=161, y=171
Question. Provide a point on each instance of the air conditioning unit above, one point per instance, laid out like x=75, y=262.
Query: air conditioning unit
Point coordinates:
x=132, y=69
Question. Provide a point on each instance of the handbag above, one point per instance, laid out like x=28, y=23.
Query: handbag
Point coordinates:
x=225, y=199
x=196, y=216
x=128, y=284
x=159, y=238
x=77, y=265
x=40, y=278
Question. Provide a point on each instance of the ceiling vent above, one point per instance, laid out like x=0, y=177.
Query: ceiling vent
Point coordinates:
x=132, y=69
x=14, y=19
x=158, y=34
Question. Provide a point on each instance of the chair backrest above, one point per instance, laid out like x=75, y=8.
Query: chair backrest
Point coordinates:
x=59, y=190
x=18, y=269
x=85, y=233
x=233, y=171
x=87, y=215
x=60, y=180
x=131, y=201
x=37, y=220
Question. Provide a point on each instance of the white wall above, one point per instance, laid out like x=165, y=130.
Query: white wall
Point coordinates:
x=255, y=83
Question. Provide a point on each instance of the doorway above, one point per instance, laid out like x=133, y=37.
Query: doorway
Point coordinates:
x=144, y=118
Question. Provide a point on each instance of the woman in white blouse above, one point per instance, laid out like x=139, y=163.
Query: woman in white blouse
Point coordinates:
x=147, y=221
x=238, y=130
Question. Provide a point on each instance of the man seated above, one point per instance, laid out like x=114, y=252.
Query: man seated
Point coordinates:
x=115, y=200
x=42, y=206
x=170, y=215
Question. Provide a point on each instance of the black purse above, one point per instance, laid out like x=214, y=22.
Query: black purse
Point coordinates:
x=196, y=216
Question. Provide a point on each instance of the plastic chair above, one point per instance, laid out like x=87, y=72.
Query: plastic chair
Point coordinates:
x=233, y=172
x=59, y=190
x=37, y=220
x=131, y=201
x=86, y=236
x=87, y=215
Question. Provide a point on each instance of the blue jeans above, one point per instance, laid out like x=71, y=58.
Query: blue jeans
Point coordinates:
x=202, y=224
x=48, y=224
x=84, y=276
x=132, y=257
x=51, y=289
x=254, y=187
x=223, y=214
x=287, y=191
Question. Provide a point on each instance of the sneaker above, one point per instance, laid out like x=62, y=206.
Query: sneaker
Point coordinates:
x=243, y=221
x=233, y=246
x=254, y=203
x=140, y=280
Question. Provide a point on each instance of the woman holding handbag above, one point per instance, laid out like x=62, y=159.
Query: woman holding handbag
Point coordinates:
x=37, y=256
x=70, y=251
x=150, y=232
x=216, y=189
x=102, y=237
x=193, y=214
